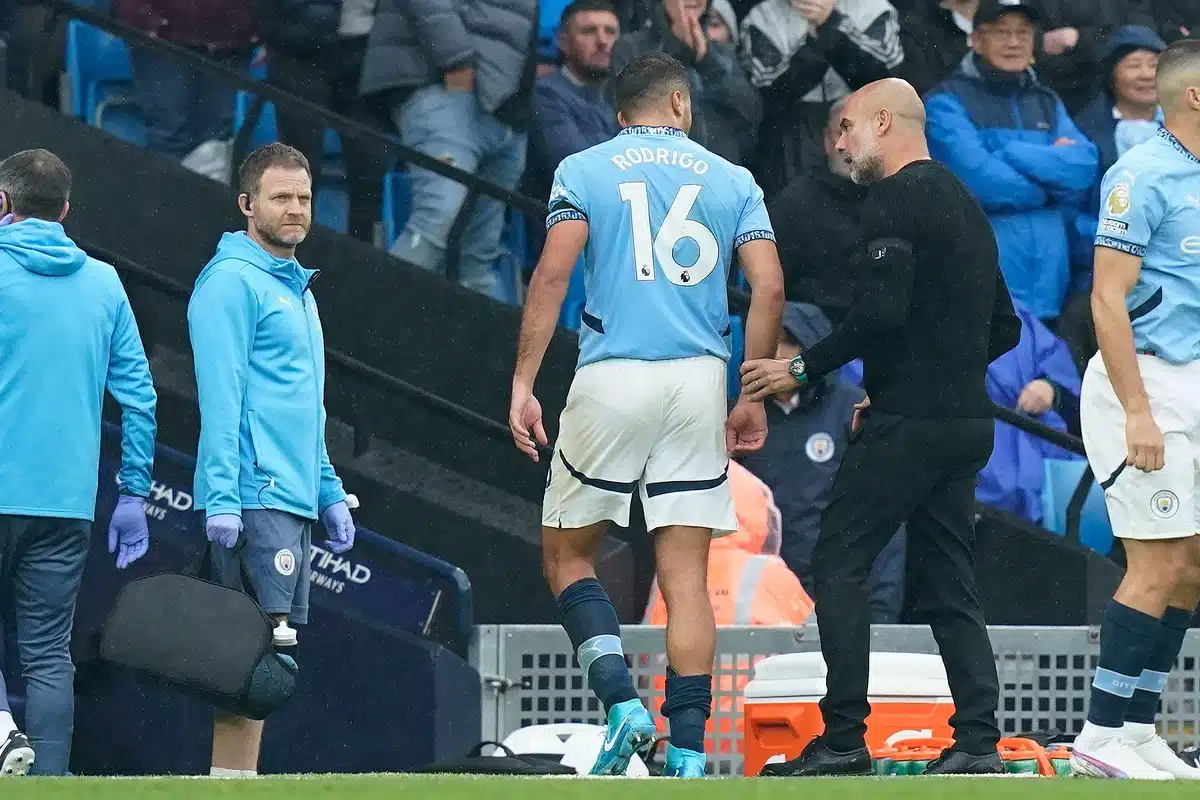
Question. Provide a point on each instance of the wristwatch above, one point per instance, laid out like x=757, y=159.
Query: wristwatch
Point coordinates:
x=796, y=370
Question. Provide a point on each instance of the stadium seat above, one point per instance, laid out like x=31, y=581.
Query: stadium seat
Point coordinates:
x=98, y=68
x=737, y=349
x=266, y=131
x=1061, y=476
x=572, y=307
x=551, y=14
x=397, y=203
x=508, y=266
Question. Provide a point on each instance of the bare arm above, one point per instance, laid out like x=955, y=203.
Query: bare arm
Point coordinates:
x=547, y=289
x=760, y=261
x=1115, y=275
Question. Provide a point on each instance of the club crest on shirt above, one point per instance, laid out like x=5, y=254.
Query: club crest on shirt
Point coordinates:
x=1164, y=504
x=285, y=562
x=819, y=448
x=1119, y=202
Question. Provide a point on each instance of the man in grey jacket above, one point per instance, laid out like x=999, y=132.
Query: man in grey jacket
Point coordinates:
x=459, y=78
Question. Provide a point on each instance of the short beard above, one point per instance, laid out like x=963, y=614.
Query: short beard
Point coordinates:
x=867, y=169
x=273, y=236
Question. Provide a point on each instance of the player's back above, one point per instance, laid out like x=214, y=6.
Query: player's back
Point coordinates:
x=1151, y=208
x=664, y=219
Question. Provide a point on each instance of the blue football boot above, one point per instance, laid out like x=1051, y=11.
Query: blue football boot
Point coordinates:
x=684, y=763
x=630, y=731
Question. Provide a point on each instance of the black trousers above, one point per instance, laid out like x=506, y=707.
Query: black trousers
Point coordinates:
x=920, y=472
x=333, y=83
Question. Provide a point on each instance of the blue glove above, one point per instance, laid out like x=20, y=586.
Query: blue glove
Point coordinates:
x=340, y=526
x=128, y=531
x=224, y=529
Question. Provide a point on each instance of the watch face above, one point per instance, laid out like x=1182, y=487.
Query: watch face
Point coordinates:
x=796, y=367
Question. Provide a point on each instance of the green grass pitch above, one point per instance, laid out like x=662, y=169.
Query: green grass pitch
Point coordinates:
x=391, y=787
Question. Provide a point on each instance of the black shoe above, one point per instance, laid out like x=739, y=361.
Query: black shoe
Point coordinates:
x=956, y=762
x=817, y=760
x=16, y=756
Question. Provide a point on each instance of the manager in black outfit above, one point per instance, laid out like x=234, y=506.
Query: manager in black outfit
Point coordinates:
x=932, y=313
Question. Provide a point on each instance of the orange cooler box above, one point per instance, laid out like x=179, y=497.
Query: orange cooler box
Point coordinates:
x=908, y=692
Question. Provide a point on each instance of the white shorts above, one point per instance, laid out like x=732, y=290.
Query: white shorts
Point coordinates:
x=657, y=427
x=1146, y=505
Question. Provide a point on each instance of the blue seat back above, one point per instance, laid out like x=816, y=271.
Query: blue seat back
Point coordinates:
x=93, y=60
x=266, y=131
x=549, y=17
x=396, y=205
x=1061, y=476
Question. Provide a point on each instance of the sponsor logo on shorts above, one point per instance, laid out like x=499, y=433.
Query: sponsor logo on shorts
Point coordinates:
x=1113, y=226
x=1164, y=504
x=819, y=447
x=285, y=562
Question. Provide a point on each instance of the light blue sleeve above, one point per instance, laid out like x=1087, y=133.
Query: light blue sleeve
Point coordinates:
x=1132, y=204
x=130, y=384
x=221, y=321
x=754, y=222
x=330, y=490
x=567, y=197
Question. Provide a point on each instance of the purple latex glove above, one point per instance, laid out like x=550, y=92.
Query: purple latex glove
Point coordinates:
x=340, y=526
x=224, y=529
x=128, y=531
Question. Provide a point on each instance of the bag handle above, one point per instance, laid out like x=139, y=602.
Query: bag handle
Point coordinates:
x=201, y=566
x=477, y=750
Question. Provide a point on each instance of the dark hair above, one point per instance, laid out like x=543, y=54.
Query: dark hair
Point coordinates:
x=37, y=182
x=646, y=80
x=583, y=6
x=275, y=154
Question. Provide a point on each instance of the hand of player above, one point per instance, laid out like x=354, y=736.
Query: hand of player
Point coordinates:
x=1037, y=397
x=1144, y=441
x=525, y=422
x=860, y=414
x=764, y=377
x=460, y=80
x=817, y=12
x=746, y=428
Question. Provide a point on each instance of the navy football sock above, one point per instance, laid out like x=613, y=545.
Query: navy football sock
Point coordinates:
x=687, y=706
x=1143, y=707
x=1127, y=640
x=591, y=622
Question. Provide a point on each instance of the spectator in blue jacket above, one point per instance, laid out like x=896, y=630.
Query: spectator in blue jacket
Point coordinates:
x=1124, y=114
x=66, y=334
x=1010, y=140
x=571, y=112
x=1039, y=378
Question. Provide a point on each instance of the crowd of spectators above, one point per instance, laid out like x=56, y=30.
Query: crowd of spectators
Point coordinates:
x=1028, y=102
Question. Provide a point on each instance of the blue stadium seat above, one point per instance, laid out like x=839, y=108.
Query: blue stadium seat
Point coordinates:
x=266, y=131
x=551, y=14
x=397, y=203
x=98, y=68
x=737, y=351
x=1061, y=476
x=508, y=266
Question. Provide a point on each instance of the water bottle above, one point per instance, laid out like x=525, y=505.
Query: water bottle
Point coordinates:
x=283, y=638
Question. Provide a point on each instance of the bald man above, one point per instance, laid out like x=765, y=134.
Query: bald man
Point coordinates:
x=932, y=312
x=1141, y=426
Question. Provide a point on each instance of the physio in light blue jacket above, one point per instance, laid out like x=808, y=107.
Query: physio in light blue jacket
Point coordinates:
x=66, y=334
x=260, y=372
x=263, y=473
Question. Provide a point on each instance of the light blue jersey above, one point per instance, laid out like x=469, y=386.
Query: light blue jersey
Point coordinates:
x=1151, y=209
x=665, y=217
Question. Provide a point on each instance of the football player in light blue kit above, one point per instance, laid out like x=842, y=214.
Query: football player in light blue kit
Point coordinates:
x=658, y=219
x=1140, y=410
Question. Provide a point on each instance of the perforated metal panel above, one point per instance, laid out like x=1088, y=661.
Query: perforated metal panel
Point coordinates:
x=531, y=677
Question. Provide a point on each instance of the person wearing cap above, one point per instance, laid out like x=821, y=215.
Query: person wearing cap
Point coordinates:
x=1125, y=111
x=1010, y=140
x=810, y=429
